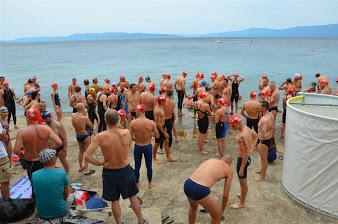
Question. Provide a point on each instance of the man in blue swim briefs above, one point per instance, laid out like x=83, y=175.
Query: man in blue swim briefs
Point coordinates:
x=81, y=123
x=118, y=176
x=221, y=120
x=246, y=140
x=142, y=130
x=197, y=188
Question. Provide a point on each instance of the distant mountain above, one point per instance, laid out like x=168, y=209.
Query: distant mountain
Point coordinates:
x=321, y=31
x=97, y=36
x=299, y=31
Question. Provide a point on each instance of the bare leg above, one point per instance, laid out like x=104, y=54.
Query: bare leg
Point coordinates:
x=116, y=209
x=175, y=133
x=135, y=205
x=192, y=211
x=58, y=112
x=201, y=138
x=63, y=159
x=244, y=192
x=5, y=190
x=232, y=107
x=155, y=152
x=263, y=152
x=86, y=143
x=236, y=107
x=167, y=151
x=282, y=130
x=223, y=146
x=219, y=147
x=80, y=156
x=211, y=206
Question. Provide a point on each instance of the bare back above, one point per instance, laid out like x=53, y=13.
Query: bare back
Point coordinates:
x=169, y=108
x=266, y=126
x=80, y=122
x=251, y=108
x=148, y=100
x=210, y=172
x=142, y=129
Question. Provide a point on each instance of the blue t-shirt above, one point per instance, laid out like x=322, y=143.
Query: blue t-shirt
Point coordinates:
x=48, y=186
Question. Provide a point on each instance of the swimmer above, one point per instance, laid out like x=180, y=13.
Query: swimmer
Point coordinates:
x=197, y=188
x=60, y=131
x=250, y=110
x=83, y=128
x=117, y=174
x=142, y=130
x=203, y=111
x=56, y=100
x=71, y=88
x=266, y=129
x=236, y=80
x=221, y=120
x=246, y=140
x=148, y=99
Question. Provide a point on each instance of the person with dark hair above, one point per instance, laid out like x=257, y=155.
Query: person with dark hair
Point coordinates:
x=34, y=103
x=71, y=88
x=10, y=98
x=77, y=98
x=266, y=130
x=118, y=176
x=86, y=85
x=132, y=99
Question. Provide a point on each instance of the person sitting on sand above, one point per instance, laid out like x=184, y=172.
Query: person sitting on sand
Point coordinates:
x=83, y=129
x=246, y=140
x=142, y=130
x=203, y=111
x=118, y=176
x=197, y=188
x=51, y=188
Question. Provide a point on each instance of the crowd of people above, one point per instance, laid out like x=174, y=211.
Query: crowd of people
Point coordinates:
x=113, y=115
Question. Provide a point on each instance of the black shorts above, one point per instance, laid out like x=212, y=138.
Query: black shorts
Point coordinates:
x=203, y=124
x=252, y=123
x=273, y=108
x=118, y=182
x=234, y=97
x=59, y=149
x=160, y=139
x=133, y=114
x=150, y=115
x=74, y=110
x=239, y=163
x=31, y=167
x=284, y=116
x=267, y=142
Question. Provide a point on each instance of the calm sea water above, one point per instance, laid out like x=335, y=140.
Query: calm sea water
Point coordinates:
x=60, y=62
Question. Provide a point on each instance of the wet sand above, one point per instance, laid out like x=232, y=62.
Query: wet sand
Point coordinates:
x=266, y=201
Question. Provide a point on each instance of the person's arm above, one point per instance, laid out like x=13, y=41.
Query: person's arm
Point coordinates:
x=175, y=84
x=125, y=101
x=159, y=125
x=282, y=86
x=18, y=143
x=66, y=188
x=156, y=134
x=254, y=141
x=89, y=123
x=242, y=78
x=226, y=190
x=208, y=110
x=88, y=155
x=71, y=101
x=217, y=117
x=245, y=146
x=243, y=111
x=56, y=139
x=63, y=136
x=131, y=130
x=53, y=98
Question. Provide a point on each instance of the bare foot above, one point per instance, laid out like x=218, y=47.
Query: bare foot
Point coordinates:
x=258, y=171
x=218, y=155
x=156, y=161
x=206, y=141
x=259, y=178
x=172, y=160
x=237, y=206
x=238, y=195
x=151, y=185
x=160, y=151
x=204, y=152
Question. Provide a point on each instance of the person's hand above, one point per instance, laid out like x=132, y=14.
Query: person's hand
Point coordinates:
x=240, y=173
x=166, y=135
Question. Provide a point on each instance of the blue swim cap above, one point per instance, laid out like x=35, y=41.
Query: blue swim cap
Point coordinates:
x=45, y=114
x=203, y=82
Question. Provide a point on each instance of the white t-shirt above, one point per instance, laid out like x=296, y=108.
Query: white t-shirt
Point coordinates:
x=3, y=152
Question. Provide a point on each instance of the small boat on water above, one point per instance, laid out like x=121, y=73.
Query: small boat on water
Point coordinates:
x=219, y=42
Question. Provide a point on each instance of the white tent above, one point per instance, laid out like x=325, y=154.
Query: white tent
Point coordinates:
x=310, y=170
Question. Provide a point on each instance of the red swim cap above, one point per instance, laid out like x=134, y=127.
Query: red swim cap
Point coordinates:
x=184, y=74
x=264, y=76
x=202, y=75
x=152, y=87
x=163, y=89
x=323, y=82
x=262, y=93
x=236, y=75
x=223, y=77
x=5, y=84
x=122, y=113
x=34, y=115
x=107, y=79
x=160, y=98
x=235, y=119
x=202, y=95
x=168, y=76
x=54, y=85
x=213, y=76
x=164, y=75
x=197, y=75
x=253, y=95
x=140, y=108
x=221, y=101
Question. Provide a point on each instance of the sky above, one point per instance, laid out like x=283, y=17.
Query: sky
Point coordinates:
x=28, y=18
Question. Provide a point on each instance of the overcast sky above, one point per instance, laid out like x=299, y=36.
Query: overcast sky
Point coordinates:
x=26, y=18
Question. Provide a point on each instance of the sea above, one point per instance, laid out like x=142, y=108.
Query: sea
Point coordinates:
x=61, y=61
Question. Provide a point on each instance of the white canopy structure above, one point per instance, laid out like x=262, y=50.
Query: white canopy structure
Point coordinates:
x=310, y=170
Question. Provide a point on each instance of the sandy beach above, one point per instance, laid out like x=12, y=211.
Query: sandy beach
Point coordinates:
x=266, y=202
